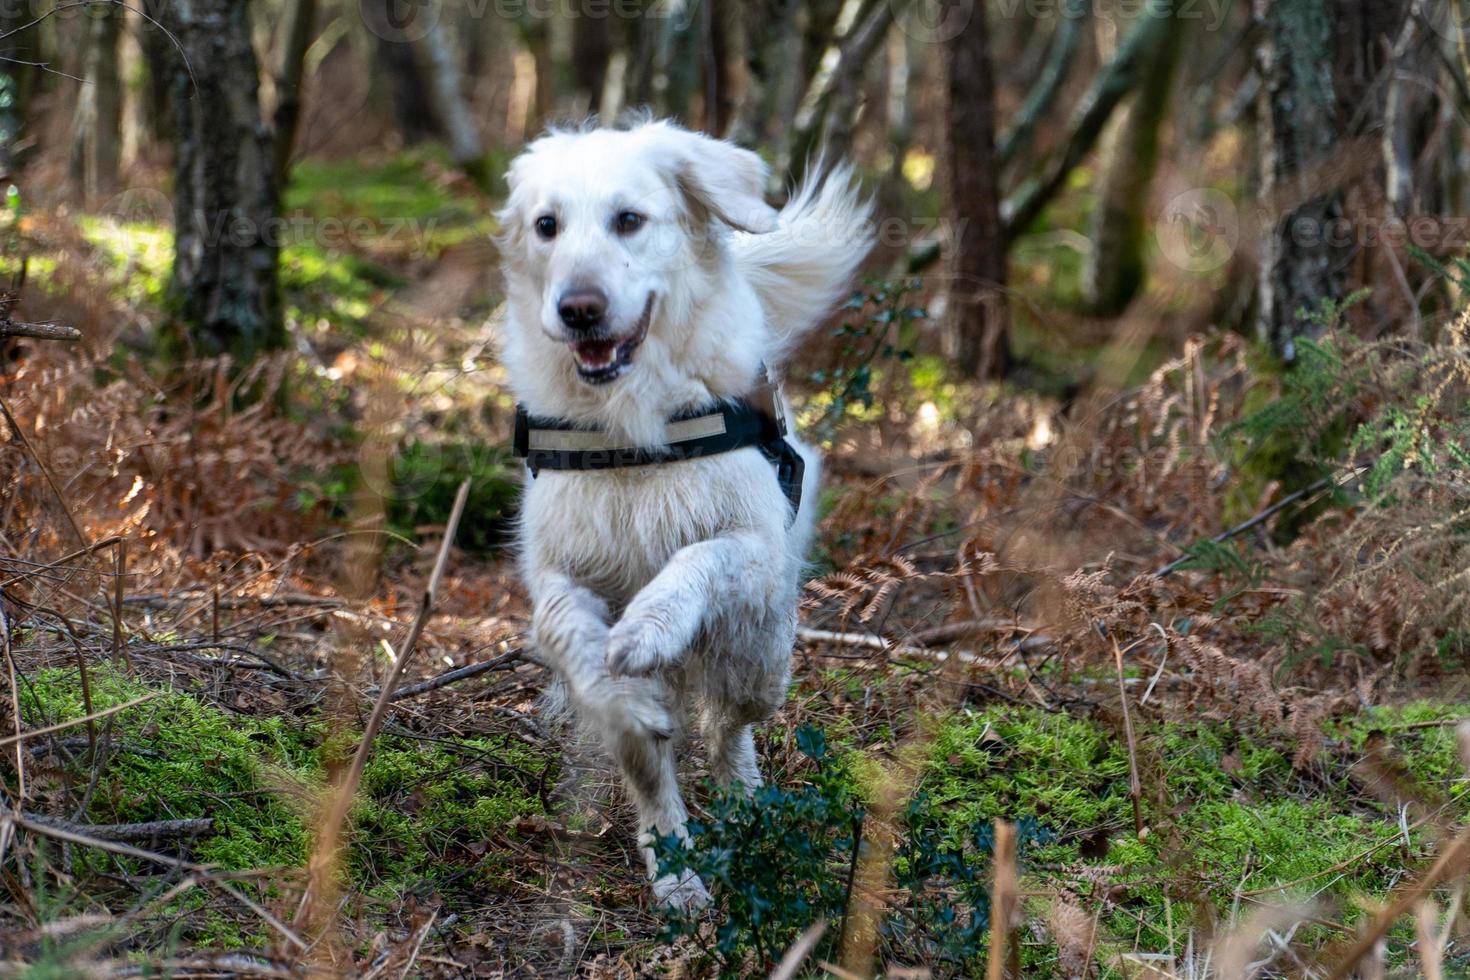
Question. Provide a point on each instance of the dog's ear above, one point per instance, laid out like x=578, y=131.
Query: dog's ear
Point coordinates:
x=719, y=178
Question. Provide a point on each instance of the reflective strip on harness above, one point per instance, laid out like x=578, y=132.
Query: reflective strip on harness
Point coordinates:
x=557, y=444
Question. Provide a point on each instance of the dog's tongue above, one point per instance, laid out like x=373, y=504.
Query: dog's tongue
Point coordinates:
x=595, y=352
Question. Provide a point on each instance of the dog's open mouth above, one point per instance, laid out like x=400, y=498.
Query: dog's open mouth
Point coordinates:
x=601, y=359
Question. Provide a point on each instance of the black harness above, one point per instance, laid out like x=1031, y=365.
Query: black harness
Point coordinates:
x=754, y=422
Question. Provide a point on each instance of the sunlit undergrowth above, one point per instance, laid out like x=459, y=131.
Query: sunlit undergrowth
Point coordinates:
x=1228, y=825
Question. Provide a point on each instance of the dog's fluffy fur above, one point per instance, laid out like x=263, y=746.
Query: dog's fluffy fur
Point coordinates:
x=666, y=591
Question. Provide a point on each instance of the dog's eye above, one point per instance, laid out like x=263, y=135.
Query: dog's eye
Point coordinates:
x=628, y=222
x=546, y=226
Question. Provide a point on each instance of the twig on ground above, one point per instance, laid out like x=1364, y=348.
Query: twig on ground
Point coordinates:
x=458, y=674
x=64, y=559
x=148, y=830
x=127, y=850
x=20, y=768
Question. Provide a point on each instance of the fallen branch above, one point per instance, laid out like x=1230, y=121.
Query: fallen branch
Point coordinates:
x=37, y=331
x=147, y=830
x=26, y=822
x=949, y=632
x=1262, y=517
x=869, y=642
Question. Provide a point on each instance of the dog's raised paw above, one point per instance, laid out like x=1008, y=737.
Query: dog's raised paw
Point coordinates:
x=637, y=647
x=682, y=892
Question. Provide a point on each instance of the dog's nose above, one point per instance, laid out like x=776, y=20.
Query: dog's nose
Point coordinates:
x=582, y=308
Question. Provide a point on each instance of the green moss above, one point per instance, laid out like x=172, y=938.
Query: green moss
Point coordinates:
x=426, y=811
x=1224, y=810
x=1065, y=772
x=179, y=758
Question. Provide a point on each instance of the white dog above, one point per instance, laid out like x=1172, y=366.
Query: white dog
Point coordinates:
x=649, y=281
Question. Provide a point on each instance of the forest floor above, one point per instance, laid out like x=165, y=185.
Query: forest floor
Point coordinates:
x=1238, y=752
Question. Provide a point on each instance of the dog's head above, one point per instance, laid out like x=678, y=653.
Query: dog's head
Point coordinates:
x=604, y=229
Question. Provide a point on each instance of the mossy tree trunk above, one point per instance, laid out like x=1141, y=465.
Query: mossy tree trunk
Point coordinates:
x=977, y=327
x=1117, y=264
x=226, y=235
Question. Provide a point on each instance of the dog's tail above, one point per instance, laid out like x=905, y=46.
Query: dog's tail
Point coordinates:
x=806, y=265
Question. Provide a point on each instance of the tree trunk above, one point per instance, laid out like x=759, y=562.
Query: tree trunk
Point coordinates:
x=450, y=107
x=226, y=237
x=97, y=124
x=827, y=115
x=301, y=18
x=538, y=42
x=157, y=52
x=411, y=105
x=976, y=328
x=592, y=47
x=1117, y=264
x=727, y=72
x=1301, y=268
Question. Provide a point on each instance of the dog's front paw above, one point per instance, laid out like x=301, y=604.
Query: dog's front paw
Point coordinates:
x=681, y=892
x=638, y=646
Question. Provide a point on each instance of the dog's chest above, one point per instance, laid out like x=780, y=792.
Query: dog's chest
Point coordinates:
x=614, y=530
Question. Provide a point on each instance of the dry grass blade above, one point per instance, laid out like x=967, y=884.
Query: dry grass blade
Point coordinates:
x=20, y=736
x=1453, y=862
x=1135, y=786
x=799, y=951
x=1233, y=953
x=1005, y=893
x=20, y=763
x=325, y=857
x=1431, y=952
